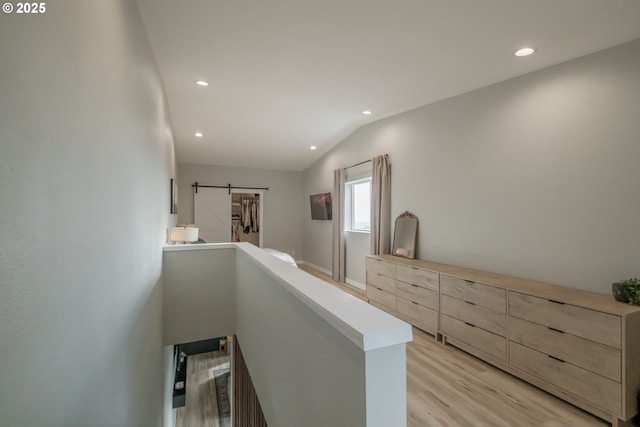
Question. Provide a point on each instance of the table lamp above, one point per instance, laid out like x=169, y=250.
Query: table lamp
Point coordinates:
x=184, y=234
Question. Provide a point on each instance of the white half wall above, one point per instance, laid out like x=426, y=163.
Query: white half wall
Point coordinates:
x=317, y=355
x=86, y=154
x=299, y=346
x=534, y=177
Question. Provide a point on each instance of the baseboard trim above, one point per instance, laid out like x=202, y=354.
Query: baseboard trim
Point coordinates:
x=330, y=273
x=355, y=284
x=315, y=267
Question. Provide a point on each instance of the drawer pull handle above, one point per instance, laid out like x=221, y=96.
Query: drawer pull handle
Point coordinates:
x=469, y=302
x=468, y=281
x=556, y=302
x=555, y=358
x=414, y=268
x=413, y=302
x=555, y=330
x=473, y=326
x=415, y=286
x=379, y=289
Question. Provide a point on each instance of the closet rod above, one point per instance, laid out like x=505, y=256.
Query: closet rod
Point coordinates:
x=358, y=164
x=228, y=186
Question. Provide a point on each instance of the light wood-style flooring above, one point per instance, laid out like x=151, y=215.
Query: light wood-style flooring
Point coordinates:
x=448, y=387
x=201, y=408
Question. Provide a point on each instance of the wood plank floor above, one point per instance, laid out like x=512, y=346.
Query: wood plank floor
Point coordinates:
x=201, y=408
x=448, y=387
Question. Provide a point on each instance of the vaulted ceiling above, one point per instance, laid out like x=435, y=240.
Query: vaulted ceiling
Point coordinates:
x=285, y=75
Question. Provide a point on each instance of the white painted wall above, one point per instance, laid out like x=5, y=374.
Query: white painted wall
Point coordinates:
x=199, y=293
x=386, y=384
x=86, y=154
x=534, y=177
x=358, y=246
x=282, y=209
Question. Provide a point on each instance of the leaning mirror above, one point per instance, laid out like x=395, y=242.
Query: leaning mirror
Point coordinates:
x=404, y=235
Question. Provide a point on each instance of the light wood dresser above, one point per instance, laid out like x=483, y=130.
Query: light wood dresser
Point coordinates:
x=581, y=346
x=406, y=288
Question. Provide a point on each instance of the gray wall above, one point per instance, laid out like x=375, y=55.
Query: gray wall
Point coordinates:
x=281, y=205
x=199, y=290
x=86, y=157
x=534, y=177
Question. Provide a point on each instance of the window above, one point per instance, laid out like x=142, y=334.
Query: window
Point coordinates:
x=358, y=212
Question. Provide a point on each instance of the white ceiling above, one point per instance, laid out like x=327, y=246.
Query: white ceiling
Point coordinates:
x=287, y=74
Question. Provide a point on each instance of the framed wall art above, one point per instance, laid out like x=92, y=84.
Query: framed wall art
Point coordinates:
x=320, y=206
x=174, y=197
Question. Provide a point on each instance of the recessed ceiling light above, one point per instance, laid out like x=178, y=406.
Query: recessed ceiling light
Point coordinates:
x=202, y=83
x=366, y=112
x=313, y=147
x=525, y=51
x=199, y=134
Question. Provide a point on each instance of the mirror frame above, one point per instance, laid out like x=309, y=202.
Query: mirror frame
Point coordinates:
x=409, y=252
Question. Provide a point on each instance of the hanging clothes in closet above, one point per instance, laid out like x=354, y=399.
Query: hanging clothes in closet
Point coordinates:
x=254, y=217
x=249, y=220
x=235, y=232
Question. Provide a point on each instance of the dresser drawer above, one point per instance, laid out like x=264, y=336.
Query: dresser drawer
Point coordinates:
x=382, y=297
x=423, y=317
x=477, y=293
x=487, y=342
x=383, y=268
x=383, y=282
x=599, y=391
x=417, y=276
x=417, y=294
x=482, y=317
x=587, y=354
x=583, y=322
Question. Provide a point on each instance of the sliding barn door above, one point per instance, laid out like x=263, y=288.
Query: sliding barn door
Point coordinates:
x=212, y=214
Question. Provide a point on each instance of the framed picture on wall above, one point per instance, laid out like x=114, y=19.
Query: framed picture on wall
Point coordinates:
x=174, y=197
x=320, y=206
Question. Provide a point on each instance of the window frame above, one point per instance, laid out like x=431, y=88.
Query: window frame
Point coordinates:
x=350, y=204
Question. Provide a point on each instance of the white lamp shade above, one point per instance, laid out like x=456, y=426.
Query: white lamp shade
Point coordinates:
x=182, y=234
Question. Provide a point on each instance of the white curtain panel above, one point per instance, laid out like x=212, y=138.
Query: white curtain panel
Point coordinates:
x=338, y=226
x=380, y=205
